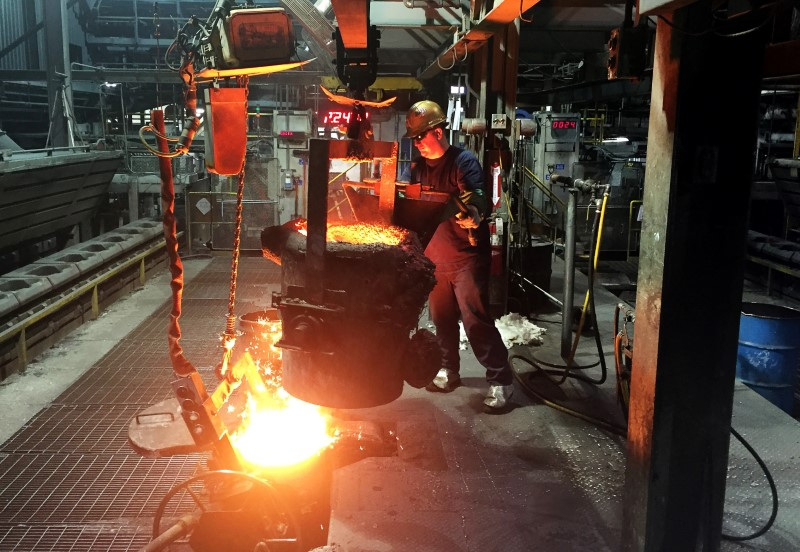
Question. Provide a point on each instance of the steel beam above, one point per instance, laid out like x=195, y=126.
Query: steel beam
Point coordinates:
x=27, y=35
x=697, y=187
x=56, y=39
x=352, y=16
x=381, y=83
x=495, y=21
x=591, y=91
x=150, y=75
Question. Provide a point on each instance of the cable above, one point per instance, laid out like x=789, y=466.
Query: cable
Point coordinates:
x=588, y=307
x=600, y=422
x=773, y=490
x=711, y=29
x=623, y=431
x=520, y=14
x=623, y=395
x=276, y=500
x=152, y=150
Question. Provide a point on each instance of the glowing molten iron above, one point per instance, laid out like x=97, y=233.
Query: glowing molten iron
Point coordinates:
x=360, y=233
x=277, y=430
x=281, y=432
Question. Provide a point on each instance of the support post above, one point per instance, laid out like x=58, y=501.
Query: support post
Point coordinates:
x=56, y=39
x=318, y=169
x=569, y=274
x=701, y=139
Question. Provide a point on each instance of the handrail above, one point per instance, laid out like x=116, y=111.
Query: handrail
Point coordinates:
x=543, y=187
x=536, y=211
x=630, y=227
x=48, y=151
x=19, y=328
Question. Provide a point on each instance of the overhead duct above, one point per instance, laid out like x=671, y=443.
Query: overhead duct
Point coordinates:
x=317, y=26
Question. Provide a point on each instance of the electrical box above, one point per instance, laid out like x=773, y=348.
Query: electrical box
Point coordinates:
x=291, y=122
x=628, y=52
x=226, y=129
x=554, y=148
x=253, y=37
x=499, y=121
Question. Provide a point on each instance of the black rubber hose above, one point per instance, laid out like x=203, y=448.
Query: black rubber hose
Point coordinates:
x=772, y=487
x=599, y=422
x=566, y=371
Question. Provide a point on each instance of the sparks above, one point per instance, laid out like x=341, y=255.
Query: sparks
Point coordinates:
x=276, y=429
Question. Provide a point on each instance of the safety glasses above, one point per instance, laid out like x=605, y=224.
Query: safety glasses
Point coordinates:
x=420, y=137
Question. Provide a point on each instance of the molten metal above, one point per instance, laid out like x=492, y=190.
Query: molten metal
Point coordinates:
x=359, y=233
x=282, y=432
x=277, y=430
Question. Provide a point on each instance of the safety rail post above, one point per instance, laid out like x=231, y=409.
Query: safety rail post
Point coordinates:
x=22, y=351
x=630, y=227
x=95, y=303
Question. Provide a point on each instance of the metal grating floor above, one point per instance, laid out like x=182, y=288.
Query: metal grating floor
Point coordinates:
x=68, y=479
x=75, y=429
x=72, y=538
x=80, y=488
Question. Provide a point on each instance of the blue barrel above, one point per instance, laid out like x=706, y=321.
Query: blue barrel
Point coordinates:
x=769, y=351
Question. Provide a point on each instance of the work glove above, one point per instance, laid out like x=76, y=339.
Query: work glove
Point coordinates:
x=471, y=220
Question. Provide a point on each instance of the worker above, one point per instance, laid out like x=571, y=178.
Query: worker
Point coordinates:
x=459, y=247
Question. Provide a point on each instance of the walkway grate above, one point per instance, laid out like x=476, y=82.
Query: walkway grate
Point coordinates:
x=76, y=429
x=72, y=538
x=199, y=317
x=68, y=480
x=80, y=488
x=132, y=384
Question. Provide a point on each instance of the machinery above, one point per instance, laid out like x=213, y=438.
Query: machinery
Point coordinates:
x=552, y=148
x=344, y=321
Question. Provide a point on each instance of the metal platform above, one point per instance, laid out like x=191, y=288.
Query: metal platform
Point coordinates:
x=533, y=478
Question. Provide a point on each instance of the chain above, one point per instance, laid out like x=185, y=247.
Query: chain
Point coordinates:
x=229, y=337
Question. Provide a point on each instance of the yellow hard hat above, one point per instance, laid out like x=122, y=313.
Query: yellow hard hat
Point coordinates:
x=422, y=116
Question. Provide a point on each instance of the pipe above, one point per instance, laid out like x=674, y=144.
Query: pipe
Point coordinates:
x=181, y=528
x=569, y=273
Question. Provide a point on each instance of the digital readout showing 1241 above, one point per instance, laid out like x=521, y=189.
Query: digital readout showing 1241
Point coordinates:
x=338, y=117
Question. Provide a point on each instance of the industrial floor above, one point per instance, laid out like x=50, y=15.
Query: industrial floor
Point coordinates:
x=533, y=478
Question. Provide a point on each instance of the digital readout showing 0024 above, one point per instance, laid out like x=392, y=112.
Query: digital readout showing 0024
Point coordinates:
x=565, y=124
x=338, y=117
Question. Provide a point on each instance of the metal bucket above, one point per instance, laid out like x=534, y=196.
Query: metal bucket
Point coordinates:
x=769, y=350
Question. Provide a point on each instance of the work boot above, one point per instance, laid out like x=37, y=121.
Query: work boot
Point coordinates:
x=445, y=381
x=497, y=397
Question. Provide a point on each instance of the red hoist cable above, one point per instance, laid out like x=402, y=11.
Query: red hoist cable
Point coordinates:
x=180, y=365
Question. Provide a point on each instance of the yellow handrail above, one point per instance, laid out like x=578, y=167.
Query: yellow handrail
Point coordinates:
x=543, y=187
x=630, y=226
x=19, y=329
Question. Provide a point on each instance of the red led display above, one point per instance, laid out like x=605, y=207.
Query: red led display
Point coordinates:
x=565, y=124
x=338, y=117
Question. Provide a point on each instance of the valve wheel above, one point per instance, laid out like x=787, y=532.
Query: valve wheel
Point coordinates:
x=219, y=496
